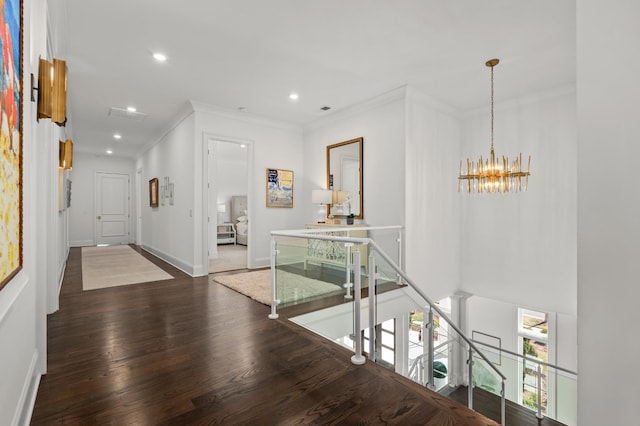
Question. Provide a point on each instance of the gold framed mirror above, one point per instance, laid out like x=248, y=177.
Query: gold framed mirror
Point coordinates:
x=344, y=178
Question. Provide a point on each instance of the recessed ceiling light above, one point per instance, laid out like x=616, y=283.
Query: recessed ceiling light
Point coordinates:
x=243, y=146
x=294, y=96
x=160, y=57
x=117, y=136
x=131, y=109
x=109, y=152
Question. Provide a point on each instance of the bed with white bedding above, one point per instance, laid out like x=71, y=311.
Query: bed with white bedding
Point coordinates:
x=239, y=218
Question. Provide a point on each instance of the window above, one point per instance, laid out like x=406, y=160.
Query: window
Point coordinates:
x=385, y=343
x=533, y=331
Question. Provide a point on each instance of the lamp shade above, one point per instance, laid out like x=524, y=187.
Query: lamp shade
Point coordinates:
x=321, y=196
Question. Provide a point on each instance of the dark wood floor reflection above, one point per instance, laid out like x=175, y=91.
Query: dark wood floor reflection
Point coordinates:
x=184, y=351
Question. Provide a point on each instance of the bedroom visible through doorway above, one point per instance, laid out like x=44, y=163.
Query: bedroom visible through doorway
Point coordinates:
x=229, y=215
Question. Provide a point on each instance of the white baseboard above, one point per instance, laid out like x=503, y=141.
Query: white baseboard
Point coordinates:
x=27, y=400
x=82, y=243
x=178, y=263
x=262, y=262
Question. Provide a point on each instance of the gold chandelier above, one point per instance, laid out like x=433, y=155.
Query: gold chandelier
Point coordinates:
x=493, y=174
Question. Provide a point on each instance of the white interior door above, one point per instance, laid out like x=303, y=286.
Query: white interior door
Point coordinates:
x=139, y=207
x=212, y=231
x=112, y=208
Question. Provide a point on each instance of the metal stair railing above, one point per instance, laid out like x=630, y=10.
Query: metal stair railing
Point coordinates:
x=539, y=364
x=355, y=265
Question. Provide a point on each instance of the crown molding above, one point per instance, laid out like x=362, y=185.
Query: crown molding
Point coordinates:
x=528, y=99
x=358, y=108
x=247, y=117
x=183, y=113
x=418, y=96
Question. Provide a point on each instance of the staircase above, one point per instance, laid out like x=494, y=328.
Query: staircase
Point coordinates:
x=376, y=310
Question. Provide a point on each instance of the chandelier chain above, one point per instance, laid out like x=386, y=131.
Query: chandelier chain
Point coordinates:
x=492, y=108
x=494, y=174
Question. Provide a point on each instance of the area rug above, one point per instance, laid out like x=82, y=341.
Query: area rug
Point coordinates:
x=113, y=266
x=290, y=287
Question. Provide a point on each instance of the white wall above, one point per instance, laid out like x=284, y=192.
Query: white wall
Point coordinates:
x=23, y=301
x=500, y=319
x=521, y=248
x=82, y=214
x=270, y=144
x=168, y=230
x=381, y=123
x=432, y=207
x=608, y=211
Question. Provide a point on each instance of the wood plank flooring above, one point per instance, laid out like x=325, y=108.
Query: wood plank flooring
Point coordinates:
x=489, y=405
x=183, y=351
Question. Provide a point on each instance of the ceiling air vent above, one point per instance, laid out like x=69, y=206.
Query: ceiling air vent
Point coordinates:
x=123, y=113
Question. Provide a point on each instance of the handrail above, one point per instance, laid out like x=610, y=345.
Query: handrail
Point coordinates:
x=312, y=234
x=373, y=246
x=433, y=306
x=421, y=356
x=526, y=357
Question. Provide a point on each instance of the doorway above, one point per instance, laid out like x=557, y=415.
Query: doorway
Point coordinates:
x=112, y=208
x=228, y=205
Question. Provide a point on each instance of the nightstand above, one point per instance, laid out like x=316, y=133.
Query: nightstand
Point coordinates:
x=226, y=234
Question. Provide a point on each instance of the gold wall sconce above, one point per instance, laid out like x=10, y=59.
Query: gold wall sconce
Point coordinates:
x=66, y=155
x=52, y=90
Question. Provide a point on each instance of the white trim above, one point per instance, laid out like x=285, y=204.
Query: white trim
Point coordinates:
x=82, y=243
x=261, y=262
x=206, y=137
x=61, y=272
x=138, y=206
x=418, y=96
x=22, y=415
x=358, y=108
x=11, y=292
x=173, y=261
x=246, y=117
x=521, y=101
x=185, y=112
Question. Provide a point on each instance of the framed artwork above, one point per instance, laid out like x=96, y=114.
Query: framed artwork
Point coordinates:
x=153, y=192
x=279, y=188
x=11, y=142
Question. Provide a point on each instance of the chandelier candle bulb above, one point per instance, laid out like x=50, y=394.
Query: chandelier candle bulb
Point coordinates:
x=489, y=175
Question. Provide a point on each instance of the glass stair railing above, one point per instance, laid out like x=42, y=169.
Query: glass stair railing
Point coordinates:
x=349, y=290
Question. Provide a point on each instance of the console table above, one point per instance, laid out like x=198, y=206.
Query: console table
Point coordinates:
x=333, y=252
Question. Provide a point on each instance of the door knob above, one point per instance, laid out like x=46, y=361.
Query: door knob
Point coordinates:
x=99, y=217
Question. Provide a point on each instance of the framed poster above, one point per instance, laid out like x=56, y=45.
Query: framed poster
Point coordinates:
x=11, y=142
x=153, y=192
x=279, y=188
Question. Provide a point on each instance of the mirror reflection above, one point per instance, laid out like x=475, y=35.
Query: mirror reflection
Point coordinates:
x=344, y=177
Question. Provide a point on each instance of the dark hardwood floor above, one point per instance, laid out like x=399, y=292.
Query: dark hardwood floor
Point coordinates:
x=489, y=405
x=183, y=351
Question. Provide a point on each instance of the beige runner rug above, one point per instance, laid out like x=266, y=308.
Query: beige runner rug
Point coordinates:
x=113, y=266
x=290, y=288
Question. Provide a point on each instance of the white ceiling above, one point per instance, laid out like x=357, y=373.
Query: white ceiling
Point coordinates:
x=253, y=53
